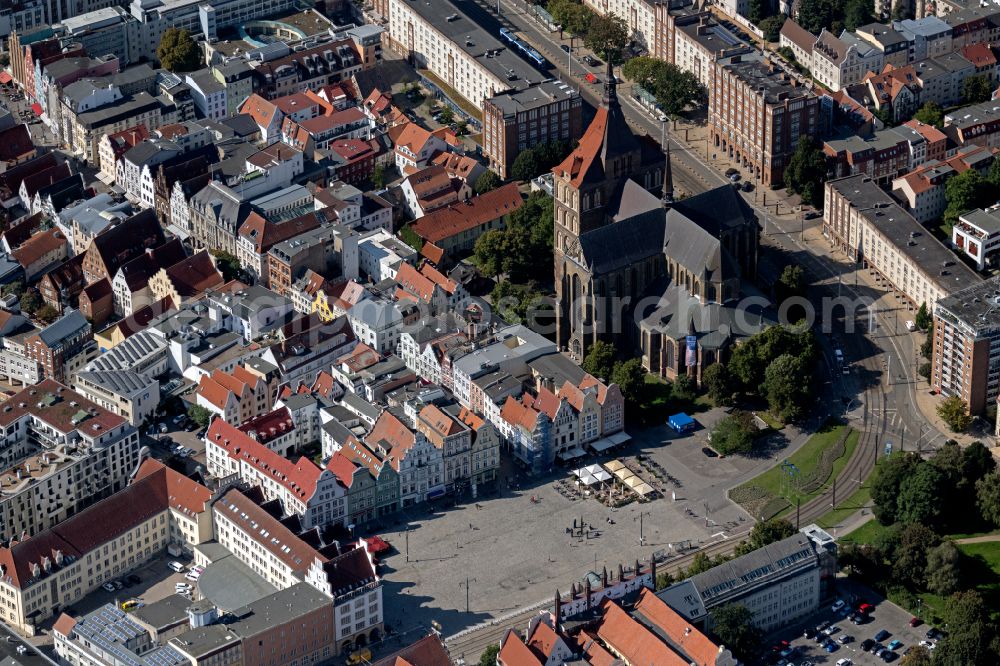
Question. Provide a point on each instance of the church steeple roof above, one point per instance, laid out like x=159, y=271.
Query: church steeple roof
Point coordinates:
x=608, y=136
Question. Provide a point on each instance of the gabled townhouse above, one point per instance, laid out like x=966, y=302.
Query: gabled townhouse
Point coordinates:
x=237, y=396
x=528, y=433
x=336, y=300
x=91, y=217
x=312, y=493
x=309, y=69
x=839, y=63
x=111, y=147
x=432, y=188
x=415, y=146
x=372, y=481
x=454, y=439
x=258, y=235
x=62, y=347
x=130, y=285
x=41, y=252
x=216, y=214
x=418, y=462
x=16, y=147
x=148, y=153
x=330, y=250
x=96, y=302
x=266, y=115
x=484, y=457
x=120, y=244
x=187, y=279
x=304, y=290
x=380, y=254
x=353, y=160
x=59, y=286
x=250, y=312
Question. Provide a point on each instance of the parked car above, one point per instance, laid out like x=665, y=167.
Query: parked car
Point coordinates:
x=118, y=584
x=845, y=639
x=837, y=605
x=163, y=428
x=864, y=608
x=564, y=47
x=844, y=662
x=928, y=644
x=176, y=566
x=882, y=635
x=934, y=634
x=590, y=60
x=591, y=78
x=831, y=630
x=135, y=580
x=867, y=644
x=895, y=644
x=809, y=633
x=109, y=587
x=889, y=655
x=831, y=647
x=910, y=326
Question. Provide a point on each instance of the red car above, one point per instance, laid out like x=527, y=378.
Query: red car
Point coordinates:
x=916, y=622
x=591, y=78
x=865, y=608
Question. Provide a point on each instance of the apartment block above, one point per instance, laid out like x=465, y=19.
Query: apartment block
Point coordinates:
x=871, y=228
x=757, y=115
x=966, y=344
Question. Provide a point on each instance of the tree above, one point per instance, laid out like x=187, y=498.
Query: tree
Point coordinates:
x=526, y=166
x=988, y=498
x=977, y=462
x=631, y=379
x=683, y=389
x=734, y=627
x=909, y=562
x=886, y=481
x=993, y=175
x=178, y=51
x=806, y=172
x=930, y=113
x=228, y=264
x=917, y=655
x=927, y=346
x=771, y=27
x=663, y=580
x=700, y=564
x=976, y=89
x=200, y=415
x=571, y=15
x=964, y=192
x=814, y=15
x=30, y=301
x=607, y=36
x=489, y=655
x=673, y=88
x=952, y=411
x=410, y=237
x=757, y=11
x=46, y=314
x=971, y=635
x=734, y=434
x=719, y=383
x=857, y=13
x=901, y=11
x=788, y=387
x=16, y=287
x=923, y=319
x=943, y=569
x=600, y=359
x=792, y=277
x=919, y=498
x=489, y=253
x=769, y=531
x=378, y=176
x=487, y=181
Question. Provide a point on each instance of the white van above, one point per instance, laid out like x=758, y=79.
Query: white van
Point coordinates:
x=176, y=566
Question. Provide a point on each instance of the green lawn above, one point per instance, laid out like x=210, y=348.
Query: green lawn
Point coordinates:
x=775, y=484
x=969, y=535
x=845, y=508
x=867, y=533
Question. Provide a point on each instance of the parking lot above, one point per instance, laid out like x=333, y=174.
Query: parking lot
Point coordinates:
x=886, y=616
x=156, y=581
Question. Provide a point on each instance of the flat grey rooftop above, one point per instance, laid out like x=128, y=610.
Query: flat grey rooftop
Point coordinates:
x=230, y=584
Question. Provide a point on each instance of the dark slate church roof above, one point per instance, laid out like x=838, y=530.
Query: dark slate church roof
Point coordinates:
x=620, y=244
x=716, y=210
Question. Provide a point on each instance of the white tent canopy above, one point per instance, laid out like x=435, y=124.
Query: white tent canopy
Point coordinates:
x=601, y=475
x=588, y=479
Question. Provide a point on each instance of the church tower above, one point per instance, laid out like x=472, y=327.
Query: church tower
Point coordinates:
x=587, y=189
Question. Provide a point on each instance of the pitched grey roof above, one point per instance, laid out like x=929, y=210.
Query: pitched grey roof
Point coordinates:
x=121, y=382
x=623, y=243
x=69, y=324
x=766, y=562
x=377, y=314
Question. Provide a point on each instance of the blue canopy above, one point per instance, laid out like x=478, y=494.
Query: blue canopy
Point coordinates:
x=681, y=422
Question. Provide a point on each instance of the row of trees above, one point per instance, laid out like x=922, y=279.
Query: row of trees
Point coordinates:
x=673, y=88
x=606, y=35
x=813, y=15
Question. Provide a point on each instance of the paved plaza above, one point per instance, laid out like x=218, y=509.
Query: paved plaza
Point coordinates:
x=516, y=552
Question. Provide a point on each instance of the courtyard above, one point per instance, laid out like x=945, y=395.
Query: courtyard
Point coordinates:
x=497, y=553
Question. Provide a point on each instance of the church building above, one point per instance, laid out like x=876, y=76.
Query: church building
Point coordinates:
x=635, y=268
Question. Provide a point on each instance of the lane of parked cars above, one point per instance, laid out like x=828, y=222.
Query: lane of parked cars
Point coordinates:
x=839, y=633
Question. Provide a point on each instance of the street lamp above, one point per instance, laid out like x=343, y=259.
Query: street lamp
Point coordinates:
x=466, y=583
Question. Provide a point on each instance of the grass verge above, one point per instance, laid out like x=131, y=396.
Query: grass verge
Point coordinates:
x=845, y=509
x=776, y=489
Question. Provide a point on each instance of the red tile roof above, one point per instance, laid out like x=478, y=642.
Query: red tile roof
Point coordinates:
x=61, y=413
x=578, y=162
x=692, y=643
x=634, y=642
x=40, y=245
x=428, y=651
x=272, y=425
x=440, y=423
x=16, y=143
x=194, y=275
x=513, y=652
x=412, y=281
x=460, y=217
x=184, y=494
x=299, y=478
x=261, y=110
x=280, y=541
